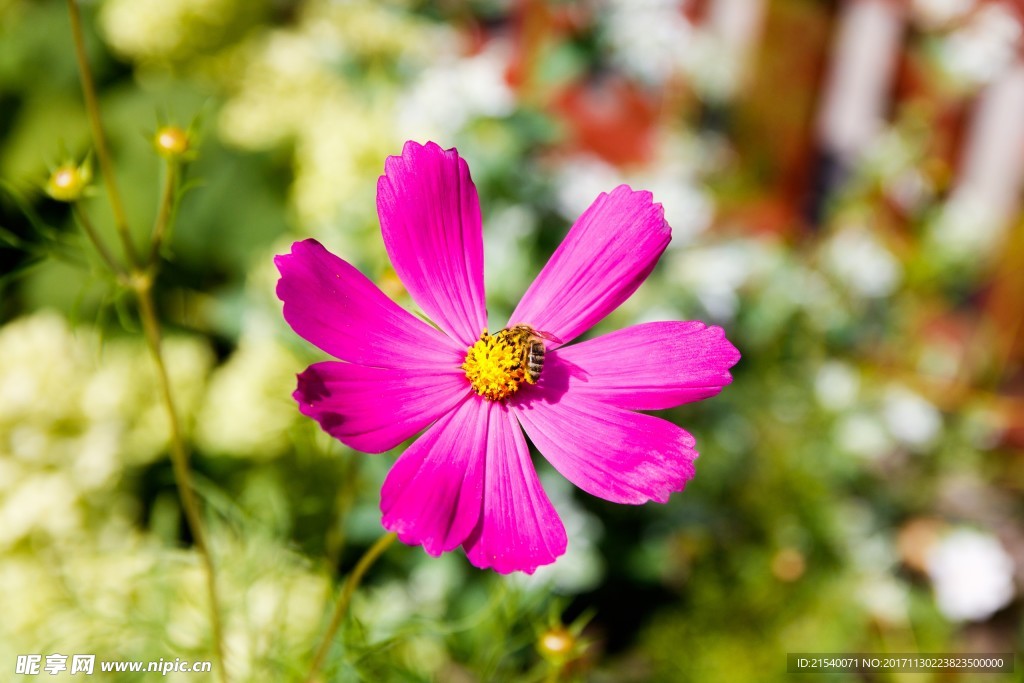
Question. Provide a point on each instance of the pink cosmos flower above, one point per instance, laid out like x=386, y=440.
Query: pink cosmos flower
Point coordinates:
x=468, y=479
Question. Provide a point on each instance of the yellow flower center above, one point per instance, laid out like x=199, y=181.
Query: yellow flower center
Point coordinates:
x=495, y=365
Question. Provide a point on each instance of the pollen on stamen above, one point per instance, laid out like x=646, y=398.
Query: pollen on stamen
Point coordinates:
x=494, y=365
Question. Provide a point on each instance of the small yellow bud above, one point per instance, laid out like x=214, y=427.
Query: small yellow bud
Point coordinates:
x=171, y=142
x=67, y=183
x=556, y=644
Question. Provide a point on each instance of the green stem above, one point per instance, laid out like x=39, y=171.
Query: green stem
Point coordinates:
x=163, y=216
x=141, y=283
x=101, y=248
x=92, y=108
x=341, y=608
x=179, y=459
x=554, y=673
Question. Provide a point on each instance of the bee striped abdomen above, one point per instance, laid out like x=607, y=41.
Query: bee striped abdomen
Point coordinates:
x=534, y=361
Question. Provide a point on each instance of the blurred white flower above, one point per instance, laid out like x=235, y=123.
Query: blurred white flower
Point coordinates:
x=433, y=581
x=911, y=189
x=885, y=598
x=862, y=263
x=836, y=385
x=936, y=13
x=453, y=90
x=984, y=46
x=579, y=179
x=509, y=230
x=384, y=608
x=972, y=575
x=651, y=39
x=863, y=434
x=671, y=178
x=689, y=209
x=892, y=151
x=967, y=229
x=715, y=273
x=910, y=419
x=870, y=550
x=874, y=558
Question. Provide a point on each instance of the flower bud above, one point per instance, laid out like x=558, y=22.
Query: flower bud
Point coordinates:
x=556, y=644
x=171, y=142
x=68, y=182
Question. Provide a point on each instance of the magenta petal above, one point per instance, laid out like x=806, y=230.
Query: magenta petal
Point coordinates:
x=374, y=409
x=432, y=495
x=519, y=529
x=615, y=454
x=332, y=305
x=430, y=219
x=607, y=254
x=647, y=367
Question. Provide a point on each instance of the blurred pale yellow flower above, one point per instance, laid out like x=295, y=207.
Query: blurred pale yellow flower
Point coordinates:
x=173, y=30
x=288, y=86
x=247, y=410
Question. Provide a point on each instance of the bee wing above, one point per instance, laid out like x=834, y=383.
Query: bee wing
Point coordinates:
x=547, y=335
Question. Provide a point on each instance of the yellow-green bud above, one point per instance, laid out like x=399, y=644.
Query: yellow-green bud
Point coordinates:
x=556, y=644
x=67, y=183
x=171, y=142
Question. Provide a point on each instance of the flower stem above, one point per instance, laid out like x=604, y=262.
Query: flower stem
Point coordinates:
x=92, y=108
x=341, y=608
x=163, y=215
x=554, y=673
x=139, y=278
x=101, y=248
x=142, y=286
